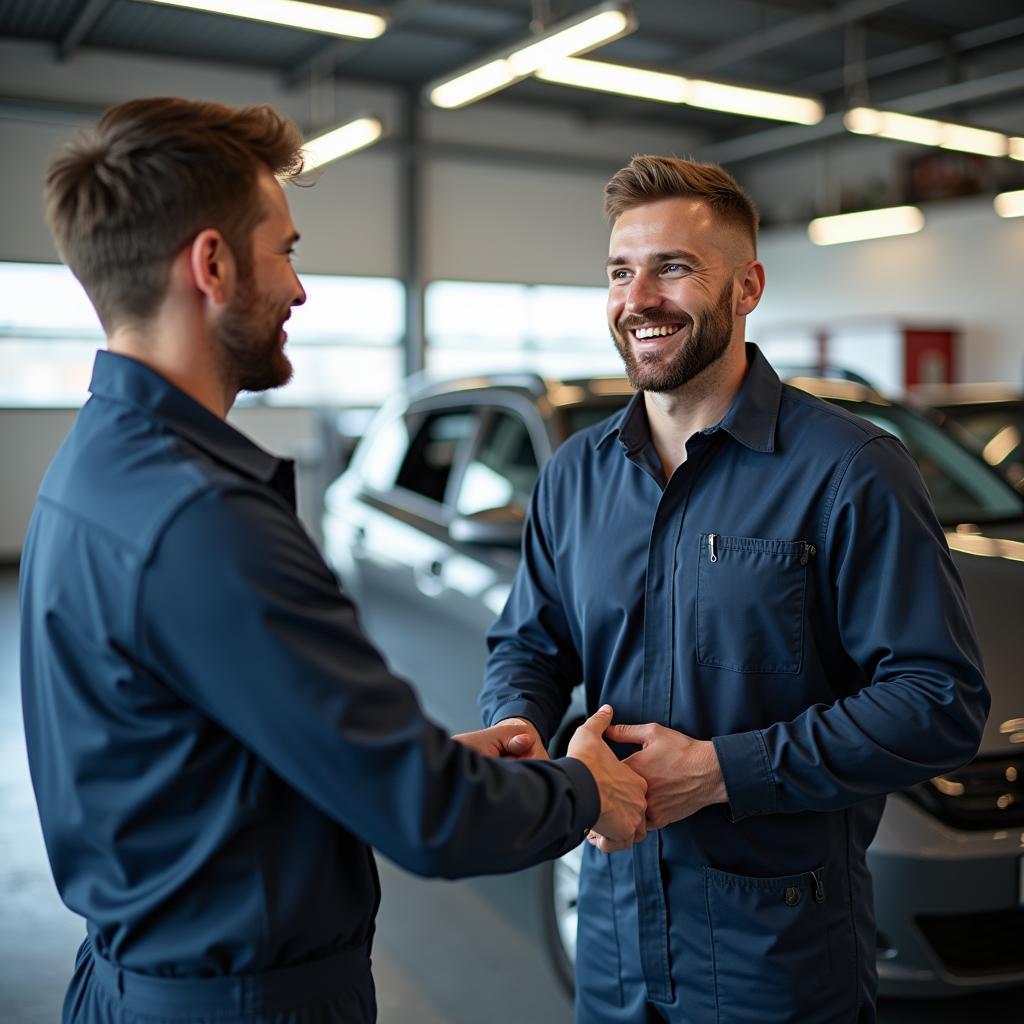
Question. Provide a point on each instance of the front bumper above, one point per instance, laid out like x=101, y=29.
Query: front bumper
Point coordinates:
x=948, y=905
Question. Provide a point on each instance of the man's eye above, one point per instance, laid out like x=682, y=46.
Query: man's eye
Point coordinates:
x=619, y=275
x=676, y=268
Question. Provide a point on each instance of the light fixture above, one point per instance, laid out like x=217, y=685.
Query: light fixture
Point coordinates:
x=1016, y=148
x=735, y=99
x=598, y=25
x=670, y=88
x=340, y=142
x=857, y=227
x=926, y=131
x=1010, y=204
x=335, y=21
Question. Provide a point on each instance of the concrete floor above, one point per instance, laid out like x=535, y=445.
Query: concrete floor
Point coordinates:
x=446, y=953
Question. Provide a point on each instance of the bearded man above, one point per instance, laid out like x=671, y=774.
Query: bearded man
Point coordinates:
x=757, y=580
x=214, y=743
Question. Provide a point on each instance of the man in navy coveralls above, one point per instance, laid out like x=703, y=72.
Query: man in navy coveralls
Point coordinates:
x=756, y=579
x=214, y=744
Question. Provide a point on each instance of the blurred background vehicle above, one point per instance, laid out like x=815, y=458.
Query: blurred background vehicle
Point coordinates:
x=989, y=417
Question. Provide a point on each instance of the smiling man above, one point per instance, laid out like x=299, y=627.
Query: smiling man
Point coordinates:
x=214, y=744
x=756, y=579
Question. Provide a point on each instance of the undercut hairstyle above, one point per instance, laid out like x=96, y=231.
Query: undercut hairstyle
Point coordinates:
x=647, y=179
x=124, y=198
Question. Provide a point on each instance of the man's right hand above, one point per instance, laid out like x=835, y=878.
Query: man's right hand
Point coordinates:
x=623, y=791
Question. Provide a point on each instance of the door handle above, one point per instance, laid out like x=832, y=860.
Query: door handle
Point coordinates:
x=428, y=578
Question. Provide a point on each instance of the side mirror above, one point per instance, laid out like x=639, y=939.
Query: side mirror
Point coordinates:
x=498, y=527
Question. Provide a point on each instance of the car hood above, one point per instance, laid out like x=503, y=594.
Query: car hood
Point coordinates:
x=991, y=563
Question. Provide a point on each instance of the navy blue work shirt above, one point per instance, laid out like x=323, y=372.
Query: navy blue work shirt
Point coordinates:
x=788, y=594
x=213, y=742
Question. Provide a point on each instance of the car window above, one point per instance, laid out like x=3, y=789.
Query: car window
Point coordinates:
x=434, y=450
x=381, y=454
x=503, y=470
x=962, y=487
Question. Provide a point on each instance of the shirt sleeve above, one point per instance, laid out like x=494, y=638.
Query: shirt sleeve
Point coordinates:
x=534, y=663
x=903, y=620
x=240, y=616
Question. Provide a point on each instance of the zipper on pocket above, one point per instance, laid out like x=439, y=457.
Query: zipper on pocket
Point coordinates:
x=809, y=549
x=819, y=886
x=713, y=547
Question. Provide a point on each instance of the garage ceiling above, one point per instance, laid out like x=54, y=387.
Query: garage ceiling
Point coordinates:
x=947, y=58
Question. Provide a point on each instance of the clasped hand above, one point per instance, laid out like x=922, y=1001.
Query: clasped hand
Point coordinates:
x=622, y=791
x=682, y=774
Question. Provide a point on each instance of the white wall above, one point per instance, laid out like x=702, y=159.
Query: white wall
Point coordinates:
x=962, y=271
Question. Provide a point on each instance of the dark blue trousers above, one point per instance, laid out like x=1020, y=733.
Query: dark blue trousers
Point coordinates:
x=337, y=990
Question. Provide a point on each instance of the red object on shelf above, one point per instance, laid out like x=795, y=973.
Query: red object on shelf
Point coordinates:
x=927, y=357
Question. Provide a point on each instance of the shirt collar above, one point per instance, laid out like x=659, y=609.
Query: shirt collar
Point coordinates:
x=124, y=379
x=751, y=419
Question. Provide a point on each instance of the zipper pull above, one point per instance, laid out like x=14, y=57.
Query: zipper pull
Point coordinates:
x=819, y=886
x=713, y=546
x=809, y=549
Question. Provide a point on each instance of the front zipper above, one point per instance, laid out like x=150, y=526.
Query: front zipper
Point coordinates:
x=713, y=546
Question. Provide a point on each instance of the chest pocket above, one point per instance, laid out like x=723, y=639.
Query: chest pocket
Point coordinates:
x=750, y=603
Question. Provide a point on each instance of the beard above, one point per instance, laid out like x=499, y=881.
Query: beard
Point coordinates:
x=710, y=334
x=248, y=340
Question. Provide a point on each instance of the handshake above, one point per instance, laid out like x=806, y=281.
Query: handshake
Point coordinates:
x=671, y=777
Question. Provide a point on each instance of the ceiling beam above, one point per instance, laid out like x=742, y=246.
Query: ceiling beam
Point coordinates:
x=915, y=56
x=329, y=56
x=775, y=140
x=88, y=14
x=754, y=44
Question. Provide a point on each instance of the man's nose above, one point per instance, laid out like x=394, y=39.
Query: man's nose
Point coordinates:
x=300, y=293
x=642, y=294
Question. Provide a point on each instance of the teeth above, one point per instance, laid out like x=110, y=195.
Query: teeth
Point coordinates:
x=643, y=333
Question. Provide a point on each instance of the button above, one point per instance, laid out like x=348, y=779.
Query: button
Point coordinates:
x=792, y=896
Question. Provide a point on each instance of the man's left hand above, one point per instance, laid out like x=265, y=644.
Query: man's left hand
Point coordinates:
x=683, y=775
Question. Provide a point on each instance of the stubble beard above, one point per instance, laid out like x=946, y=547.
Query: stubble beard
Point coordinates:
x=249, y=341
x=710, y=334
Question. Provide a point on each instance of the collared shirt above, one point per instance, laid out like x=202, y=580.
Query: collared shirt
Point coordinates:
x=787, y=594
x=213, y=742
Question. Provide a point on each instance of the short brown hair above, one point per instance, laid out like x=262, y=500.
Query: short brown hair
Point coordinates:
x=123, y=199
x=646, y=179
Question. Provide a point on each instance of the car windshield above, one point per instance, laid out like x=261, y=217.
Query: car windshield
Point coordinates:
x=963, y=489
x=998, y=430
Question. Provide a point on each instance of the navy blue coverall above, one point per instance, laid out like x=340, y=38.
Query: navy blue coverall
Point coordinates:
x=214, y=745
x=788, y=594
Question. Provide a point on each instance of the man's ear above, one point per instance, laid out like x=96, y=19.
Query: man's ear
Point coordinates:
x=750, y=288
x=212, y=264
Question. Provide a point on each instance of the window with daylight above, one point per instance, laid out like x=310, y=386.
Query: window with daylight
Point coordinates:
x=345, y=342
x=557, y=331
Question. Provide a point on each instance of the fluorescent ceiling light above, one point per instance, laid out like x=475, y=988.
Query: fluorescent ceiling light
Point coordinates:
x=926, y=131
x=617, y=78
x=670, y=88
x=340, y=142
x=335, y=21
x=1010, y=204
x=1017, y=148
x=856, y=227
x=599, y=25
x=734, y=99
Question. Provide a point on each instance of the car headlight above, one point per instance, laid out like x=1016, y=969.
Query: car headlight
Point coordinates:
x=986, y=794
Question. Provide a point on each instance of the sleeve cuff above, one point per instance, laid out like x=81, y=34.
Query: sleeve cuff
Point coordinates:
x=522, y=709
x=747, y=774
x=588, y=799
